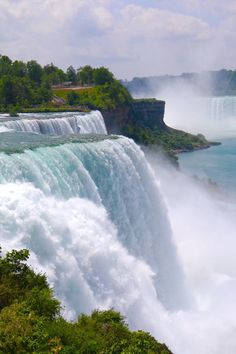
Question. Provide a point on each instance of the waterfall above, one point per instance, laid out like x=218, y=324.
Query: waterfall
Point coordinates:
x=58, y=123
x=114, y=174
x=215, y=117
x=222, y=108
x=90, y=210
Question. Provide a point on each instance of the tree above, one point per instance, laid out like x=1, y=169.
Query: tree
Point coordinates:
x=30, y=321
x=53, y=74
x=49, y=68
x=19, y=282
x=34, y=71
x=85, y=75
x=7, y=91
x=5, y=65
x=19, y=69
x=102, y=76
x=72, y=98
x=71, y=74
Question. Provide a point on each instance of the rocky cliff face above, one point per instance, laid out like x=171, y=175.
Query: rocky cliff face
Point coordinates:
x=149, y=113
x=141, y=113
x=117, y=119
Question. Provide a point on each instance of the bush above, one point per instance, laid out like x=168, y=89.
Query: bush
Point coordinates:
x=30, y=321
x=72, y=98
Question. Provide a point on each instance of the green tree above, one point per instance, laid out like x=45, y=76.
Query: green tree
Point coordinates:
x=19, y=282
x=5, y=65
x=7, y=91
x=85, y=75
x=30, y=321
x=53, y=74
x=34, y=71
x=22, y=331
x=72, y=98
x=102, y=76
x=71, y=74
x=19, y=69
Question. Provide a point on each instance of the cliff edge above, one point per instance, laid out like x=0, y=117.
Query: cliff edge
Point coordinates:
x=144, y=113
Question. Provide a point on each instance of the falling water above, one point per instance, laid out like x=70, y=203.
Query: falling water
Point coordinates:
x=57, y=123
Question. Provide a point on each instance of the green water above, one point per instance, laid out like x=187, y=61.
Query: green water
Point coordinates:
x=17, y=142
x=217, y=163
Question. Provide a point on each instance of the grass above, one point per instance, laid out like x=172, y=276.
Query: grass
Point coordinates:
x=62, y=93
x=52, y=108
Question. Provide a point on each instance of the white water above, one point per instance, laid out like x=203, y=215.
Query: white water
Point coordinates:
x=212, y=116
x=77, y=246
x=100, y=253
x=204, y=224
x=94, y=219
x=113, y=173
x=4, y=129
x=58, y=123
x=95, y=222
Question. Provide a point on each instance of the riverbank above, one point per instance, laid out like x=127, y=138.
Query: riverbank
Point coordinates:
x=196, y=148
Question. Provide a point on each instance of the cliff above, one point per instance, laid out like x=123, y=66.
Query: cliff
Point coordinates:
x=149, y=113
x=140, y=113
x=143, y=121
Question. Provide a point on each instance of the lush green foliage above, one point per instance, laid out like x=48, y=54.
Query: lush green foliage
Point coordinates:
x=104, y=97
x=30, y=320
x=72, y=98
x=94, y=76
x=85, y=75
x=171, y=140
x=24, y=85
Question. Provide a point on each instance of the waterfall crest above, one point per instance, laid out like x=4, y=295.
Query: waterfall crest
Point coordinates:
x=58, y=123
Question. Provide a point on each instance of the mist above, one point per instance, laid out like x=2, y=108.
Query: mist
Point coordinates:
x=212, y=116
x=196, y=103
x=203, y=225
x=193, y=107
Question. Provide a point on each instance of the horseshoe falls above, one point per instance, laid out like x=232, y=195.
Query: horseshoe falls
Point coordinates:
x=57, y=123
x=213, y=116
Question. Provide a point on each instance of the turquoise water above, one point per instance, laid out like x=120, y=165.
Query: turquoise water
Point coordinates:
x=217, y=163
x=109, y=229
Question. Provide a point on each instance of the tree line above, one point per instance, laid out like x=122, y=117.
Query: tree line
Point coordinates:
x=27, y=84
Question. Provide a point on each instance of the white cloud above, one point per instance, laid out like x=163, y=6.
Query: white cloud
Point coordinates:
x=172, y=36
x=157, y=23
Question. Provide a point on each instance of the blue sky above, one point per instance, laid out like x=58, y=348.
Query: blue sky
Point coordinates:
x=132, y=38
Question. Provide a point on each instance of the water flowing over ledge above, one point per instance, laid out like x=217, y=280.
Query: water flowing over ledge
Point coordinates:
x=57, y=123
x=90, y=209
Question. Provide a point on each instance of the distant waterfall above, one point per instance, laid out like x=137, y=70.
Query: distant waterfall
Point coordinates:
x=221, y=108
x=59, y=123
x=215, y=117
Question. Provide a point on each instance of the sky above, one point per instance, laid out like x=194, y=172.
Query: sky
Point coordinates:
x=132, y=38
